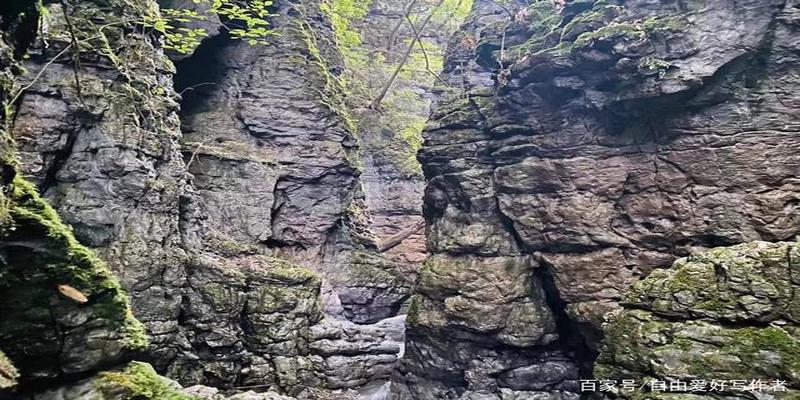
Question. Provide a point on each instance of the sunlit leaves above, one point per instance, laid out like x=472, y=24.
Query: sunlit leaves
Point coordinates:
x=242, y=19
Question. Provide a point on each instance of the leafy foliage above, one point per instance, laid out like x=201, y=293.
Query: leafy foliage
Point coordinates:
x=368, y=68
x=343, y=14
x=245, y=20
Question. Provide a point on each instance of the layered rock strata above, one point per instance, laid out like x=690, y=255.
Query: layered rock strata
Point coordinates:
x=197, y=202
x=65, y=316
x=97, y=130
x=591, y=143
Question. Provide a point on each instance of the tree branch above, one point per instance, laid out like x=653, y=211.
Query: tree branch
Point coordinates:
x=39, y=74
x=375, y=104
x=425, y=53
x=394, y=240
x=393, y=33
x=76, y=58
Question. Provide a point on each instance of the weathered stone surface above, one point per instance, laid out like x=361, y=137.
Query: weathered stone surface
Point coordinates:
x=275, y=163
x=353, y=355
x=192, y=214
x=371, y=288
x=605, y=139
x=708, y=320
x=272, y=163
x=242, y=313
x=105, y=151
x=210, y=393
x=493, y=296
x=749, y=283
x=64, y=313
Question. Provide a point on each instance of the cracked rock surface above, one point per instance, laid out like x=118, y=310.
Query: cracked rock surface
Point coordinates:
x=592, y=143
x=233, y=212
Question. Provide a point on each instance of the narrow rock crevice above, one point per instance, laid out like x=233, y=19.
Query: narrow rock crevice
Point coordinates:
x=573, y=337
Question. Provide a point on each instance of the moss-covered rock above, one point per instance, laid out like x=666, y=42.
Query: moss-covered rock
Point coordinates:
x=261, y=307
x=138, y=381
x=749, y=282
x=498, y=297
x=64, y=313
x=48, y=329
x=134, y=381
x=726, y=314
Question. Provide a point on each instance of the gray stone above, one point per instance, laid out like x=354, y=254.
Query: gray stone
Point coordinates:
x=604, y=140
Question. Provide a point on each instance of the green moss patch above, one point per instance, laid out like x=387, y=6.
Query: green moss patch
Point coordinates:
x=138, y=381
x=38, y=253
x=723, y=314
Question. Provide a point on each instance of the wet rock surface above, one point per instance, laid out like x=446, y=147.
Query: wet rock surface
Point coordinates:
x=600, y=141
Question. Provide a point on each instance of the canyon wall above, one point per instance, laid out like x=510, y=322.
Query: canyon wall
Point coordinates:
x=592, y=143
x=244, y=195
x=65, y=316
x=230, y=208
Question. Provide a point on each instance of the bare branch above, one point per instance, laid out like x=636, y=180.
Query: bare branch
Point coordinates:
x=399, y=237
x=425, y=53
x=76, y=58
x=193, y=87
x=393, y=33
x=375, y=104
x=39, y=74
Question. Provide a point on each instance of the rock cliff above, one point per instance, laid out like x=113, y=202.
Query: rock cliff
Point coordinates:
x=592, y=142
x=229, y=202
x=224, y=221
x=65, y=316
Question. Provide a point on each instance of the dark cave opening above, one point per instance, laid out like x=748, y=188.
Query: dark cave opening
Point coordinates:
x=21, y=20
x=199, y=74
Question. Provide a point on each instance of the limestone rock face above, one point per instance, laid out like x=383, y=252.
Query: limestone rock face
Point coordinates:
x=214, y=205
x=249, y=318
x=271, y=162
x=104, y=151
x=354, y=355
x=593, y=142
x=274, y=160
x=275, y=170
x=725, y=314
x=64, y=313
x=65, y=316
